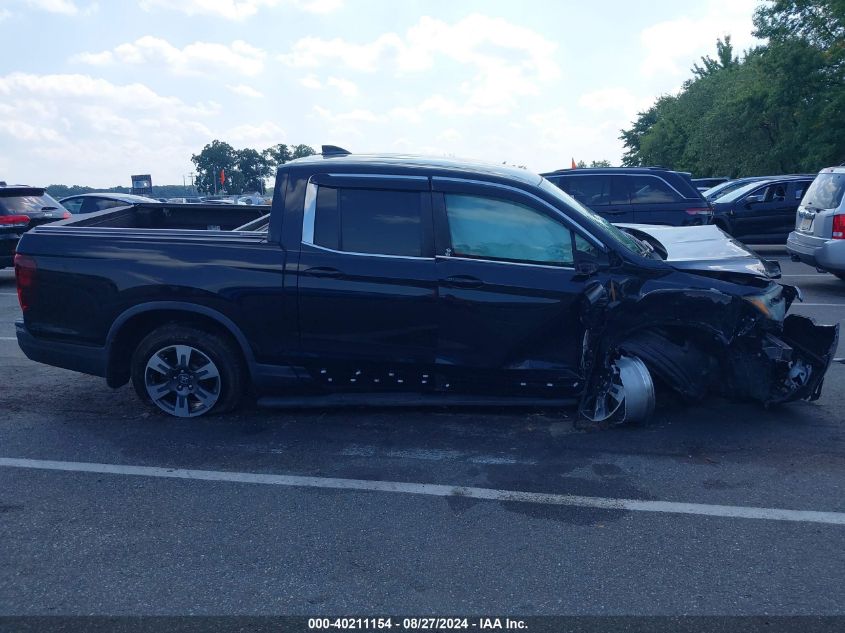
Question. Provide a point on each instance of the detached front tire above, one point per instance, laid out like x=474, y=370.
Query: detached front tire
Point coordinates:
x=187, y=372
x=625, y=395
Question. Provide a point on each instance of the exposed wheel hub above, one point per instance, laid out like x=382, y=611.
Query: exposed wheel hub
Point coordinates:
x=627, y=394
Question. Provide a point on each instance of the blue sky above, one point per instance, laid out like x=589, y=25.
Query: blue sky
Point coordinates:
x=91, y=92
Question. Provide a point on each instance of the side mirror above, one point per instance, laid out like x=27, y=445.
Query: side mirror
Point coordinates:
x=749, y=200
x=585, y=269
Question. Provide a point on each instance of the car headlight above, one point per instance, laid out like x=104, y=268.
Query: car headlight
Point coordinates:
x=771, y=303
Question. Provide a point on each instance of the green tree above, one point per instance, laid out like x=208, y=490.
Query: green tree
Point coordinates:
x=724, y=59
x=774, y=110
x=252, y=170
x=301, y=151
x=278, y=154
x=213, y=158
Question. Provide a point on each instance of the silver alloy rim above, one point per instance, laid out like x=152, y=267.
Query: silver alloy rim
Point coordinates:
x=182, y=381
x=627, y=397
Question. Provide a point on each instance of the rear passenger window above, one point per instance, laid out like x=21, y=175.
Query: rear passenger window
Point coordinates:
x=592, y=191
x=102, y=205
x=652, y=190
x=73, y=205
x=379, y=222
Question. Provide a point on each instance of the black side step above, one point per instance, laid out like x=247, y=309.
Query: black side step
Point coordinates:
x=341, y=400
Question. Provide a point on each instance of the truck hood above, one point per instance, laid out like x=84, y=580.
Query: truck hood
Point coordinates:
x=705, y=248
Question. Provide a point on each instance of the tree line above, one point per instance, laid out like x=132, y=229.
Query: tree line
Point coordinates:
x=243, y=170
x=159, y=191
x=776, y=108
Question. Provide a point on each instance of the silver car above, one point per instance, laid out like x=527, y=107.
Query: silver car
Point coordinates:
x=819, y=235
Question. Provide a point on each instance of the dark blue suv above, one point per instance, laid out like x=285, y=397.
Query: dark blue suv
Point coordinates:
x=642, y=195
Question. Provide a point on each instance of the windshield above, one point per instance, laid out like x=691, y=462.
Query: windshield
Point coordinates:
x=736, y=194
x=723, y=188
x=826, y=191
x=29, y=204
x=594, y=219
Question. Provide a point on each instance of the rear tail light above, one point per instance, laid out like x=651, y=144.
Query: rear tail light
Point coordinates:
x=10, y=221
x=25, y=270
x=66, y=215
x=839, y=226
x=698, y=211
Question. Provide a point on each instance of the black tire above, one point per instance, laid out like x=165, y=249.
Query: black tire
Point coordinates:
x=227, y=388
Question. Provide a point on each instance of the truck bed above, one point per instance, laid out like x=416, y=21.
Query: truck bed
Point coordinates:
x=204, y=217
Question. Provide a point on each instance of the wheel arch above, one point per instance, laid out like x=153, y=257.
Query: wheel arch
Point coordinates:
x=132, y=325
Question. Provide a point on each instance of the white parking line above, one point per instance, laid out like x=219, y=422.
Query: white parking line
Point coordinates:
x=436, y=490
x=819, y=275
x=8, y=338
x=818, y=305
x=9, y=294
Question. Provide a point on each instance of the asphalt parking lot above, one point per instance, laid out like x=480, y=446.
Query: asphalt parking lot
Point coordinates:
x=720, y=509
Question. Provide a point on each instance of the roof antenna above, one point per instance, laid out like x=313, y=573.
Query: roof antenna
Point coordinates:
x=334, y=150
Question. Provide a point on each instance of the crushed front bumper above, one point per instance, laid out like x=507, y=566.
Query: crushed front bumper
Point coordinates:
x=783, y=367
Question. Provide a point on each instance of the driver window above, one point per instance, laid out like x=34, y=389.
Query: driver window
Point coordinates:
x=491, y=228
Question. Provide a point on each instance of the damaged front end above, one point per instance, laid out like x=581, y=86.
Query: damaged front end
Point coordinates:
x=699, y=341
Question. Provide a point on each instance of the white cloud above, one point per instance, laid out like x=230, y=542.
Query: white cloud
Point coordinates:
x=245, y=91
x=344, y=86
x=673, y=46
x=503, y=61
x=94, y=59
x=198, y=58
x=312, y=82
x=5, y=14
x=450, y=136
x=92, y=131
x=320, y=6
x=259, y=136
x=358, y=115
x=66, y=7
x=239, y=9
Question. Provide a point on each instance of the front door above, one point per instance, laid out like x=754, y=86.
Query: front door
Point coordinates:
x=508, y=308
x=366, y=283
x=763, y=220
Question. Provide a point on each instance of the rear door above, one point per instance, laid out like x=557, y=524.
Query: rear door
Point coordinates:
x=771, y=218
x=367, y=289
x=655, y=201
x=508, y=307
x=605, y=194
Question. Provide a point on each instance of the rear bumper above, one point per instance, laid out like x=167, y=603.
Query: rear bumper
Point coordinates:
x=817, y=251
x=82, y=358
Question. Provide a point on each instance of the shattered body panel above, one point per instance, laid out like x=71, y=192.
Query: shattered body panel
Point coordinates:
x=733, y=338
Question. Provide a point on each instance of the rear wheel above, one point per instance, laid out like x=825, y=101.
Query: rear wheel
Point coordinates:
x=187, y=372
x=626, y=396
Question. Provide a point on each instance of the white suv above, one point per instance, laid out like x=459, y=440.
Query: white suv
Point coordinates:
x=819, y=235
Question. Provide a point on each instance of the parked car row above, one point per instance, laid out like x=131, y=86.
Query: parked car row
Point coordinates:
x=645, y=195
x=754, y=210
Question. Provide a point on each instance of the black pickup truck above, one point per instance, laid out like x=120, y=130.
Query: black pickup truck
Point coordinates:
x=404, y=280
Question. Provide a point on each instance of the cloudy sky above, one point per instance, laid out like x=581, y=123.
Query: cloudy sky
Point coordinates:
x=91, y=92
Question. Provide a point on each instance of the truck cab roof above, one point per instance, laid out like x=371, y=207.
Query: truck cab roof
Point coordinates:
x=410, y=164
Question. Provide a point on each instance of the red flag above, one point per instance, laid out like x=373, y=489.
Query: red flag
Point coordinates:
x=574, y=166
x=222, y=177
